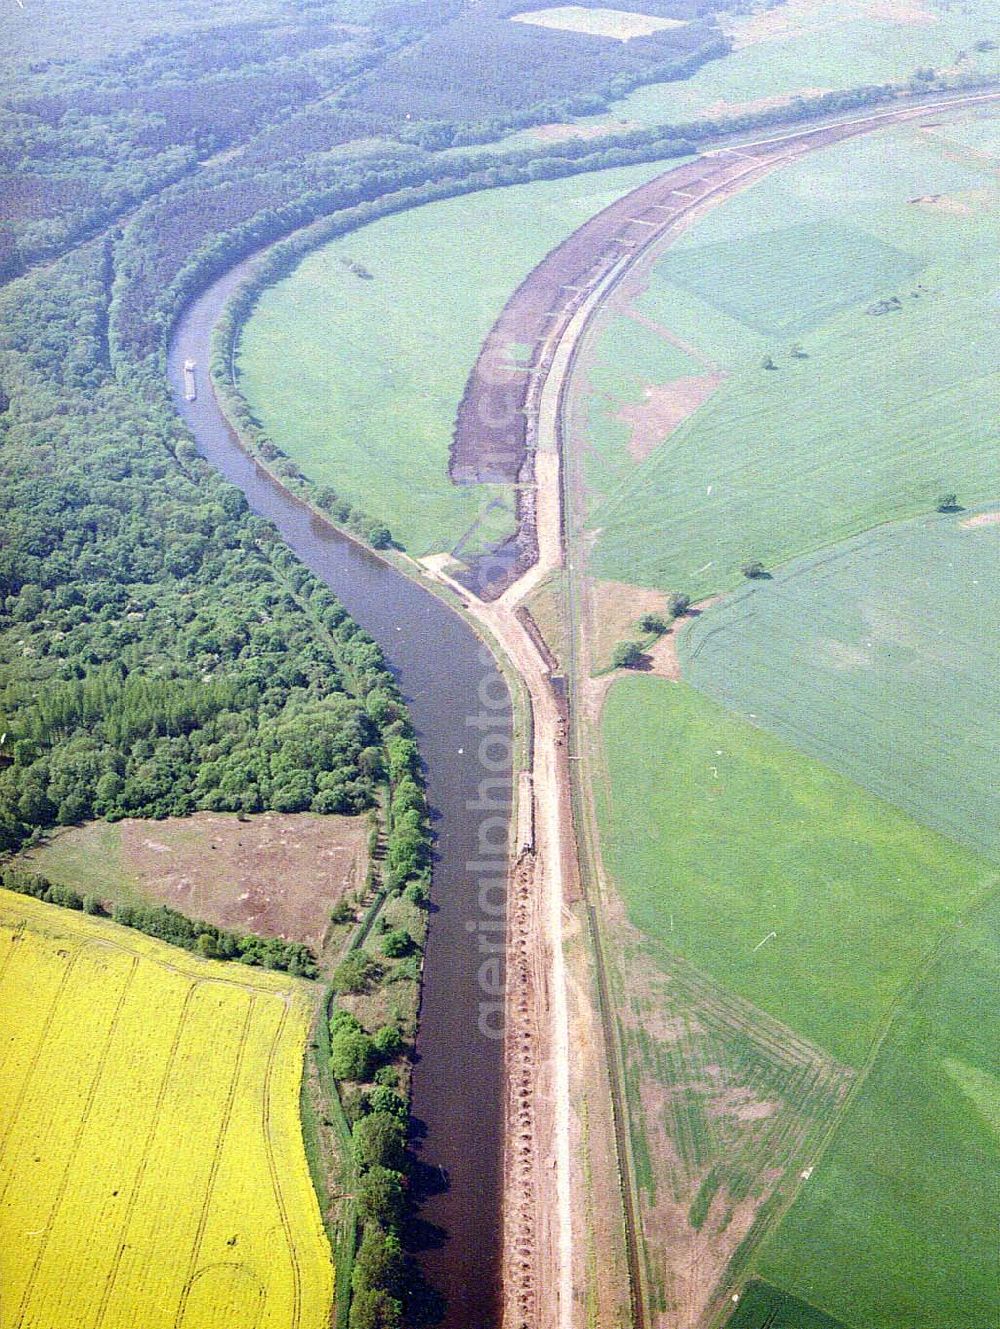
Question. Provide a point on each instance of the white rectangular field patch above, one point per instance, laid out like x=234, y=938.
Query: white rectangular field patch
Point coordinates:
x=618, y=24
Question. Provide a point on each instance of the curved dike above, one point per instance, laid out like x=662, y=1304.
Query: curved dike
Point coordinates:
x=460, y=707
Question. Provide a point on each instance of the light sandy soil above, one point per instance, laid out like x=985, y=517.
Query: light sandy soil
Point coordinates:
x=664, y=406
x=981, y=519
x=613, y=612
x=721, y=107
x=944, y=203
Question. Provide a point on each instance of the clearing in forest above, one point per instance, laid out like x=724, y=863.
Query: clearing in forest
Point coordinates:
x=153, y=1166
x=276, y=874
x=620, y=24
x=804, y=47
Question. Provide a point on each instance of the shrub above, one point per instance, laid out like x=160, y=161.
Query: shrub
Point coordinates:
x=379, y=1141
x=372, y=1308
x=626, y=655
x=381, y=1197
x=753, y=568
x=384, y=1099
x=378, y=1263
x=388, y=1041
x=352, y=1054
x=947, y=503
x=397, y=943
x=653, y=623
x=678, y=603
x=355, y=972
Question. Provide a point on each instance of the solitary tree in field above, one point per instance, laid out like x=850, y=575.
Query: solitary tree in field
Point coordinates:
x=768, y=363
x=627, y=655
x=678, y=603
x=947, y=503
x=753, y=568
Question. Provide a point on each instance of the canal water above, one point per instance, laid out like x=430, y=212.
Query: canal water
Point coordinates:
x=460, y=707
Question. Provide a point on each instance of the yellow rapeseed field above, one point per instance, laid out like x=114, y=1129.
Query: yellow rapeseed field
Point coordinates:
x=152, y=1173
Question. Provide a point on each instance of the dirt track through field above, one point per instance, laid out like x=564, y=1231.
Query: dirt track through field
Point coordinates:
x=551, y=310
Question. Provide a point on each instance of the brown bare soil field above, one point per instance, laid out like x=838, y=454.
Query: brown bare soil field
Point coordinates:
x=278, y=874
x=663, y=408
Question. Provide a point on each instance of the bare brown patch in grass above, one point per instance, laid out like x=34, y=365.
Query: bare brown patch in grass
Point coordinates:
x=722, y=107
x=943, y=203
x=909, y=12
x=797, y=18
x=665, y=661
x=981, y=519
x=278, y=874
x=615, y=610
x=663, y=408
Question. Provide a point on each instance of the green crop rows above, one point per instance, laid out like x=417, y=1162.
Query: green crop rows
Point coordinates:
x=867, y=420
x=877, y=658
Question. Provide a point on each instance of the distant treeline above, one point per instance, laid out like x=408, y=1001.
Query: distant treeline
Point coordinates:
x=204, y=939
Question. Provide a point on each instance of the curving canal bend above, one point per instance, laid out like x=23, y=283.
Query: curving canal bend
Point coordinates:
x=460, y=707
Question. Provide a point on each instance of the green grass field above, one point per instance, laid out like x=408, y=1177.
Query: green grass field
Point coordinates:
x=878, y=416
x=728, y=834
x=764, y=1307
x=876, y=658
x=806, y=46
x=898, y=1224
x=359, y=380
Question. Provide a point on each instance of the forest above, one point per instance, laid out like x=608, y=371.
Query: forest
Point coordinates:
x=162, y=651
